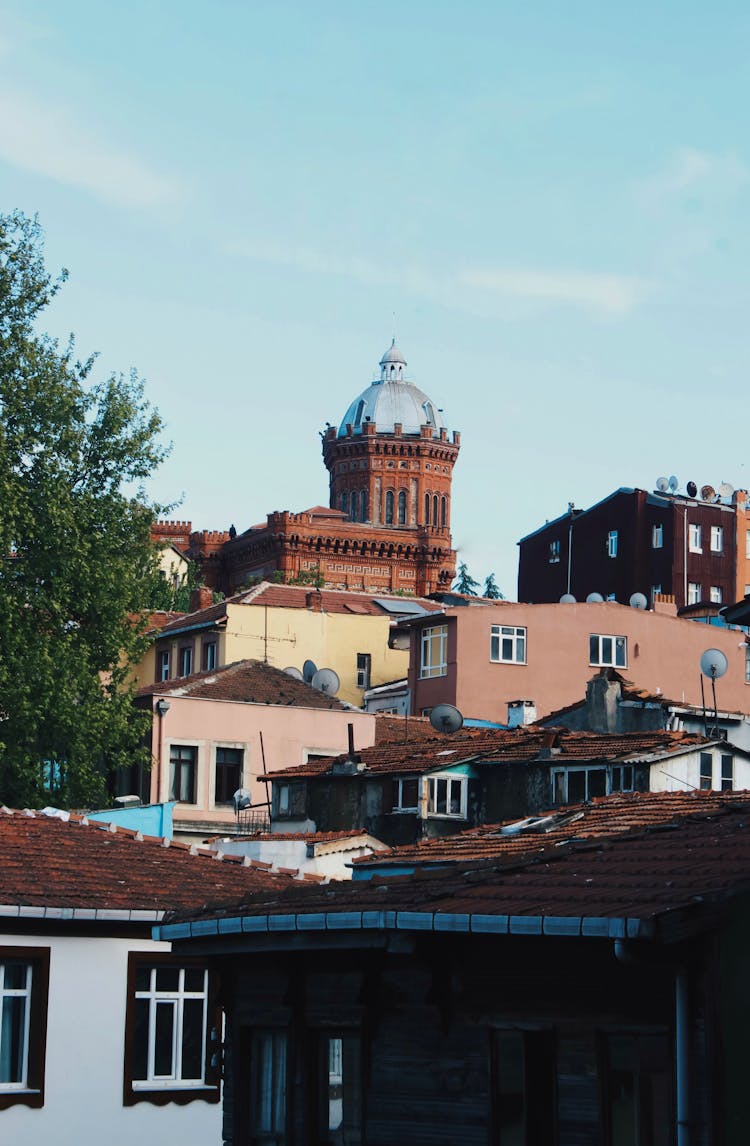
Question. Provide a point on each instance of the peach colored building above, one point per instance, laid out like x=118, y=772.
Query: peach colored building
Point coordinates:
x=483, y=657
x=215, y=733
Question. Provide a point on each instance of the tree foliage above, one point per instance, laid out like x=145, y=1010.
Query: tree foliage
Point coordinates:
x=492, y=589
x=464, y=582
x=75, y=554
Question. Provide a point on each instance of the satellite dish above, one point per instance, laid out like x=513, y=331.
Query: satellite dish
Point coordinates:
x=662, y=484
x=293, y=672
x=638, y=601
x=309, y=670
x=692, y=489
x=567, y=599
x=594, y=598
x=241, y=799
x=326, y=680
x=726, y=490
x=708, y=493
x=714, y=663
x=446, y=718
x=673, y=483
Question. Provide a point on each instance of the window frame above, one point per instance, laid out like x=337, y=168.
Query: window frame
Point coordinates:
x=175, y=786
x=161, y=1092
x=695, y=538
x=657, y=535
x=706, y=771
x=433, y=665
x=186, y=654
x=554, y=552
x=613, y=662
x=223, y=766
x=431, y=800
x=31, y=1092
x=695, y=593
x=164, y=664
x=364, y=670
x=715, y=594
x=398, y=805
x=612, y=543
x=716, y=542
x=210, y=655
x=516, y=636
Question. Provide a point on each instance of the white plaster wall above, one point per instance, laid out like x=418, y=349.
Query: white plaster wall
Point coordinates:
x=84, y=1061
x=293, y=854
x=683, y=773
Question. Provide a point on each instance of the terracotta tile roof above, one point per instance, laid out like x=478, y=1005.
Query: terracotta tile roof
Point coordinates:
x=402, y=730
x=248, y=682
x=214, y=613
x=331, y=600
x=604, y=816
x=490, y=746
x=666, y=876
x=49, y=862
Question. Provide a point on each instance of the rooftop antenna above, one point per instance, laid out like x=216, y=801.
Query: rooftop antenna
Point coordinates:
x=713, y=664
x=594, y=598
x=309, y=670
x=692, y=489
x=293, y=672
x=446, y=718
x=327, y=681
x=673, y=483
x=662, y=484
x=638, y=601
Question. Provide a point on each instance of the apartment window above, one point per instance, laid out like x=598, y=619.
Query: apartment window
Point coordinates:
x=163, y=665
x=608, y=651
x=508, y=644
x=522, y=1065
x=434, y=644
x=340, y=1107
x=612, y=543
x=715, y=592
x=706, y=771
x=182, y=767
x=290, y=800
x=209, y=656
x=637, y=1089
x=402, y=507
x=168, y=1033
x=694, y=539
x=578, y=785
x=446, y=796
x=695, y=593
x=268, y=1089
x=364, y=664
x=186, y=660
x=657, y=536
x=554, y=552
x=427, y=506
x=24, y=990
x=655, y=590
x=717, y=539
x=406, y=794
x=622, y=778
x=727, y=772
x=228, y=774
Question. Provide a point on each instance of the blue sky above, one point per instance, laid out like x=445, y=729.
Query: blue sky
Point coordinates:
x=552, y=200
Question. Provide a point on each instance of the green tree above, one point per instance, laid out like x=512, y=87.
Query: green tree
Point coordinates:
x=75, y=553
x=492, y=589
x=464, y=582
x=172, y=596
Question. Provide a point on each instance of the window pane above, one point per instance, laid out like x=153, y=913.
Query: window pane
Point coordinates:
x=576, y=787
x=192, y=1039
x=594, y=650
x=143, y=978
x=620, y=652
x=12, y=1038
x=168, y=979
x=597, y=783
x=164, y=1040
x=268, y=1086
x=606, y=650
x=16, y=975
x=195, y=979
x=409, y=793
x=509, y=1074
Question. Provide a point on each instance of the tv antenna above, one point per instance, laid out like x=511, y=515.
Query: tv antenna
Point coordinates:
x=692, y=489
x=638, y=601
x=309, y=670
x=713, y=664
x=726, y=490
x=674, y=483
x=446, y=718
x=662, y=484
x=594, y=599
x=567, y=599
x=708, y=493
x=293, y=672
x=326, y=680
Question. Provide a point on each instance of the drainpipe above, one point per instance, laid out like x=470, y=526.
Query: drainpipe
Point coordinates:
x=162, y=708
x=570, y=543
x=626, y=953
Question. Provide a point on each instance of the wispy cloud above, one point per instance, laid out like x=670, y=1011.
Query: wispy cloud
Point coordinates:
x=696, y=176
x=48, y=141
x=480, y=290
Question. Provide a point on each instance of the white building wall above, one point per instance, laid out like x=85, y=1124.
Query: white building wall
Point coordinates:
x=682, y=773
x=85, y=1058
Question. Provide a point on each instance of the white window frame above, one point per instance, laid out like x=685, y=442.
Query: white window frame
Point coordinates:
x=727, y=772
x=554, y=552
x=364, y=670
x=175, y=999
x=706, y=771
x=695, y=593
x=18, y=993
x=433, y=645
x=165, y=664
x=612, y=542
x=657, y=536
x=694, y=538
x=508, y=644
x=586, y=769
x=717, y=539
x=399, y=805
x=607, y=653
x=715, y=594
x=431, y=783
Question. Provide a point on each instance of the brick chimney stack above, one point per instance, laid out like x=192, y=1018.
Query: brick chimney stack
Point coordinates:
x=201, y=598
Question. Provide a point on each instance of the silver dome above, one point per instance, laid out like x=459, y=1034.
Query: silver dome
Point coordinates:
x=392, y=399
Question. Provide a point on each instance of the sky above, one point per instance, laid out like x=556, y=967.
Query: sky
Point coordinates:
x=547, y=204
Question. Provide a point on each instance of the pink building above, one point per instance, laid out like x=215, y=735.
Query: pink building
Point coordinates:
x=215, y=733
x=484, y=657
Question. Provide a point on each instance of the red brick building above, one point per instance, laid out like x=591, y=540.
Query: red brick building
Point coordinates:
x=387, y=528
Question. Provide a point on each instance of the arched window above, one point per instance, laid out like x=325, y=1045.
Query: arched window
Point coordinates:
x=345, y=502
x=435, y=510
x=363, y=505
x=389, y=507
x=359, y=413
x=355, y=505
x=442, y=512
x=402, y=507
x=427, y=509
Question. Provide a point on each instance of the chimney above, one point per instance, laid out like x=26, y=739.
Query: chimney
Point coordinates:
x=314, y=601
x=201, y=598
x=521, y=712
